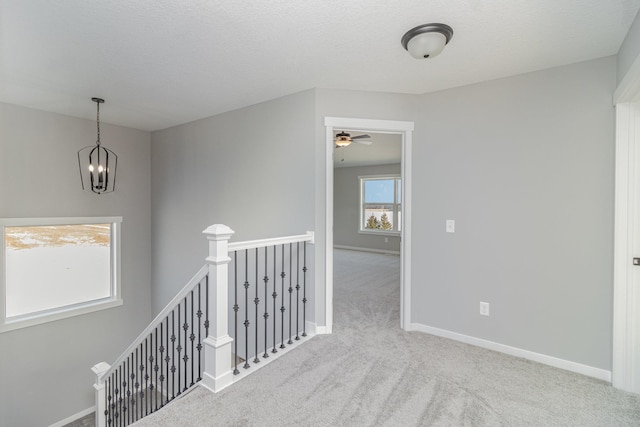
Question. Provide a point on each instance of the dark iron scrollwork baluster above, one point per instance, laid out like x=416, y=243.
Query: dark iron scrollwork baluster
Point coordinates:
x=297, y=291
x=275, y=297
x=246, y=310
x=185, y=358
x=290, y=290
x=173, y=355
x=304, y=290
x=235, y=310
x=192, y=338
x=179, y=349
x=256, y=301
x=282, y=308
x=199, y=346
x=156, y=369
x=163, y=371
x=265, y=279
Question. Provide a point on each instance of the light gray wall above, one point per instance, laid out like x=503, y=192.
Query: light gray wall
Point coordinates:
x=525, y=166
x=630, y=49
x=45, y=370
x=251, y=169
x=346, y=208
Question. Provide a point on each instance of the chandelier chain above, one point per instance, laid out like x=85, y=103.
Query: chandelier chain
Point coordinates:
x=98, y=122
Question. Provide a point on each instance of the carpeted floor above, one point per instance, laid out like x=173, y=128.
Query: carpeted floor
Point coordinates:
x=370, y=373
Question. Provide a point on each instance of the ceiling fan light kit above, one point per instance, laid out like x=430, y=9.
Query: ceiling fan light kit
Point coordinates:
x=426, y=41
x=344, y=139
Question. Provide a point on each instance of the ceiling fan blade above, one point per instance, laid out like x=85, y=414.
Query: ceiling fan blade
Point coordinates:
x=360, y=137
x=363, y=142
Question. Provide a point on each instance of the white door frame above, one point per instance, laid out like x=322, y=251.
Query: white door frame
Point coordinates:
x=626, y=276
x=406, y=130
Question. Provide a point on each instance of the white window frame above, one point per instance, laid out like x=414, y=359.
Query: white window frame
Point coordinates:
x=396, y=195
x=50, y=315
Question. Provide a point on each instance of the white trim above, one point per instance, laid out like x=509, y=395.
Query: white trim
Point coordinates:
x=74, y=417
x=567, y=365
x=263, y=243
x=377, y=251
x=64, y=312
x=383, y=126
x=626, y=299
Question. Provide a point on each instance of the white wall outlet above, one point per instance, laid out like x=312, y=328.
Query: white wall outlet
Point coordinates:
x=450, y=226
x=484, y=308
x=386, y=240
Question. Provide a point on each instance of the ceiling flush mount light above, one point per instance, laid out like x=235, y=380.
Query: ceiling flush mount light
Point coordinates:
x=97, y=163
x=426, y=41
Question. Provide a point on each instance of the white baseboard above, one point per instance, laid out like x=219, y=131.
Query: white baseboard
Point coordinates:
x=355, y=248
x=567, y=365
x=74, y=417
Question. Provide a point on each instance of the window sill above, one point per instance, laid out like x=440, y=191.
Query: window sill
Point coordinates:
x=27, y=320
x=380, y=233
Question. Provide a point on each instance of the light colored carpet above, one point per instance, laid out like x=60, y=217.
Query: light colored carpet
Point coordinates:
x=370, y=373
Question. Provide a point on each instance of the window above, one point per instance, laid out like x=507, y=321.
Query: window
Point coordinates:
x=55, y=268
x=380, y=204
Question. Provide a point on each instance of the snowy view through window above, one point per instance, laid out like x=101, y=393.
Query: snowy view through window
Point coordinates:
x=56, y=266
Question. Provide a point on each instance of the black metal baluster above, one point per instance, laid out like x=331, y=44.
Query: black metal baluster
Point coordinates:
x=163, y=347
x=127, y=408
x=304, y=290
x=297, y=291
x=173, y=355
x=135, y=404
x=256, y=301
x=118, y=394
x=206, y=303
x=246, y=310
x=146, y=376
x=167, y=359
x=179, y=349
x=199, y=346
x=282, y=309
x=107, y=401
x=192, y=338
x=266, y=305
x=235, y=310
x=275, y=296
x=185, y=358
x=156, y=368
x=290, y=289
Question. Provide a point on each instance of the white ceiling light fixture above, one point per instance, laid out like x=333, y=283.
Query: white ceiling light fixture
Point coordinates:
x=427, y=41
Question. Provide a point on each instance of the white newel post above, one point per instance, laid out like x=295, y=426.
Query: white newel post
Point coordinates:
x=98, y=370
x=217, y=346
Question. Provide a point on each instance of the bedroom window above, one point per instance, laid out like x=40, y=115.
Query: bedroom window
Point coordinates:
x=53, y=268
x=380, y=204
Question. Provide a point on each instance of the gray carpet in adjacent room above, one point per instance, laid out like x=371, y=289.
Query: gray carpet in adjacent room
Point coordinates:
x=370, y=373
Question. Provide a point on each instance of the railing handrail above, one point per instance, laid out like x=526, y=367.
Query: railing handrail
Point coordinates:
x=197, y=278
x=261, y=243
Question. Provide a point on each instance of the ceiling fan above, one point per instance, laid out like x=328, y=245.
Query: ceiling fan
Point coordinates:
x=344, y=139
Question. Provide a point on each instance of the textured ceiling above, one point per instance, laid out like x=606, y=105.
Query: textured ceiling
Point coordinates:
x=385, y=148
x=159, y=63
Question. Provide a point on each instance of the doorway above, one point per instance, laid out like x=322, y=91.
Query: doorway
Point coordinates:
x=334, y=125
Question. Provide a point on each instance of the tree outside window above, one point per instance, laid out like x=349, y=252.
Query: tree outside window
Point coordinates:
x=380, y=198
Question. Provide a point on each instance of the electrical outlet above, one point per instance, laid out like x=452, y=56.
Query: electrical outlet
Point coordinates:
x=386, y=240
x=484, y=308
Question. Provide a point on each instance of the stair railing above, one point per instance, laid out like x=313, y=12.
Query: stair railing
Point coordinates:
x=189, y=341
